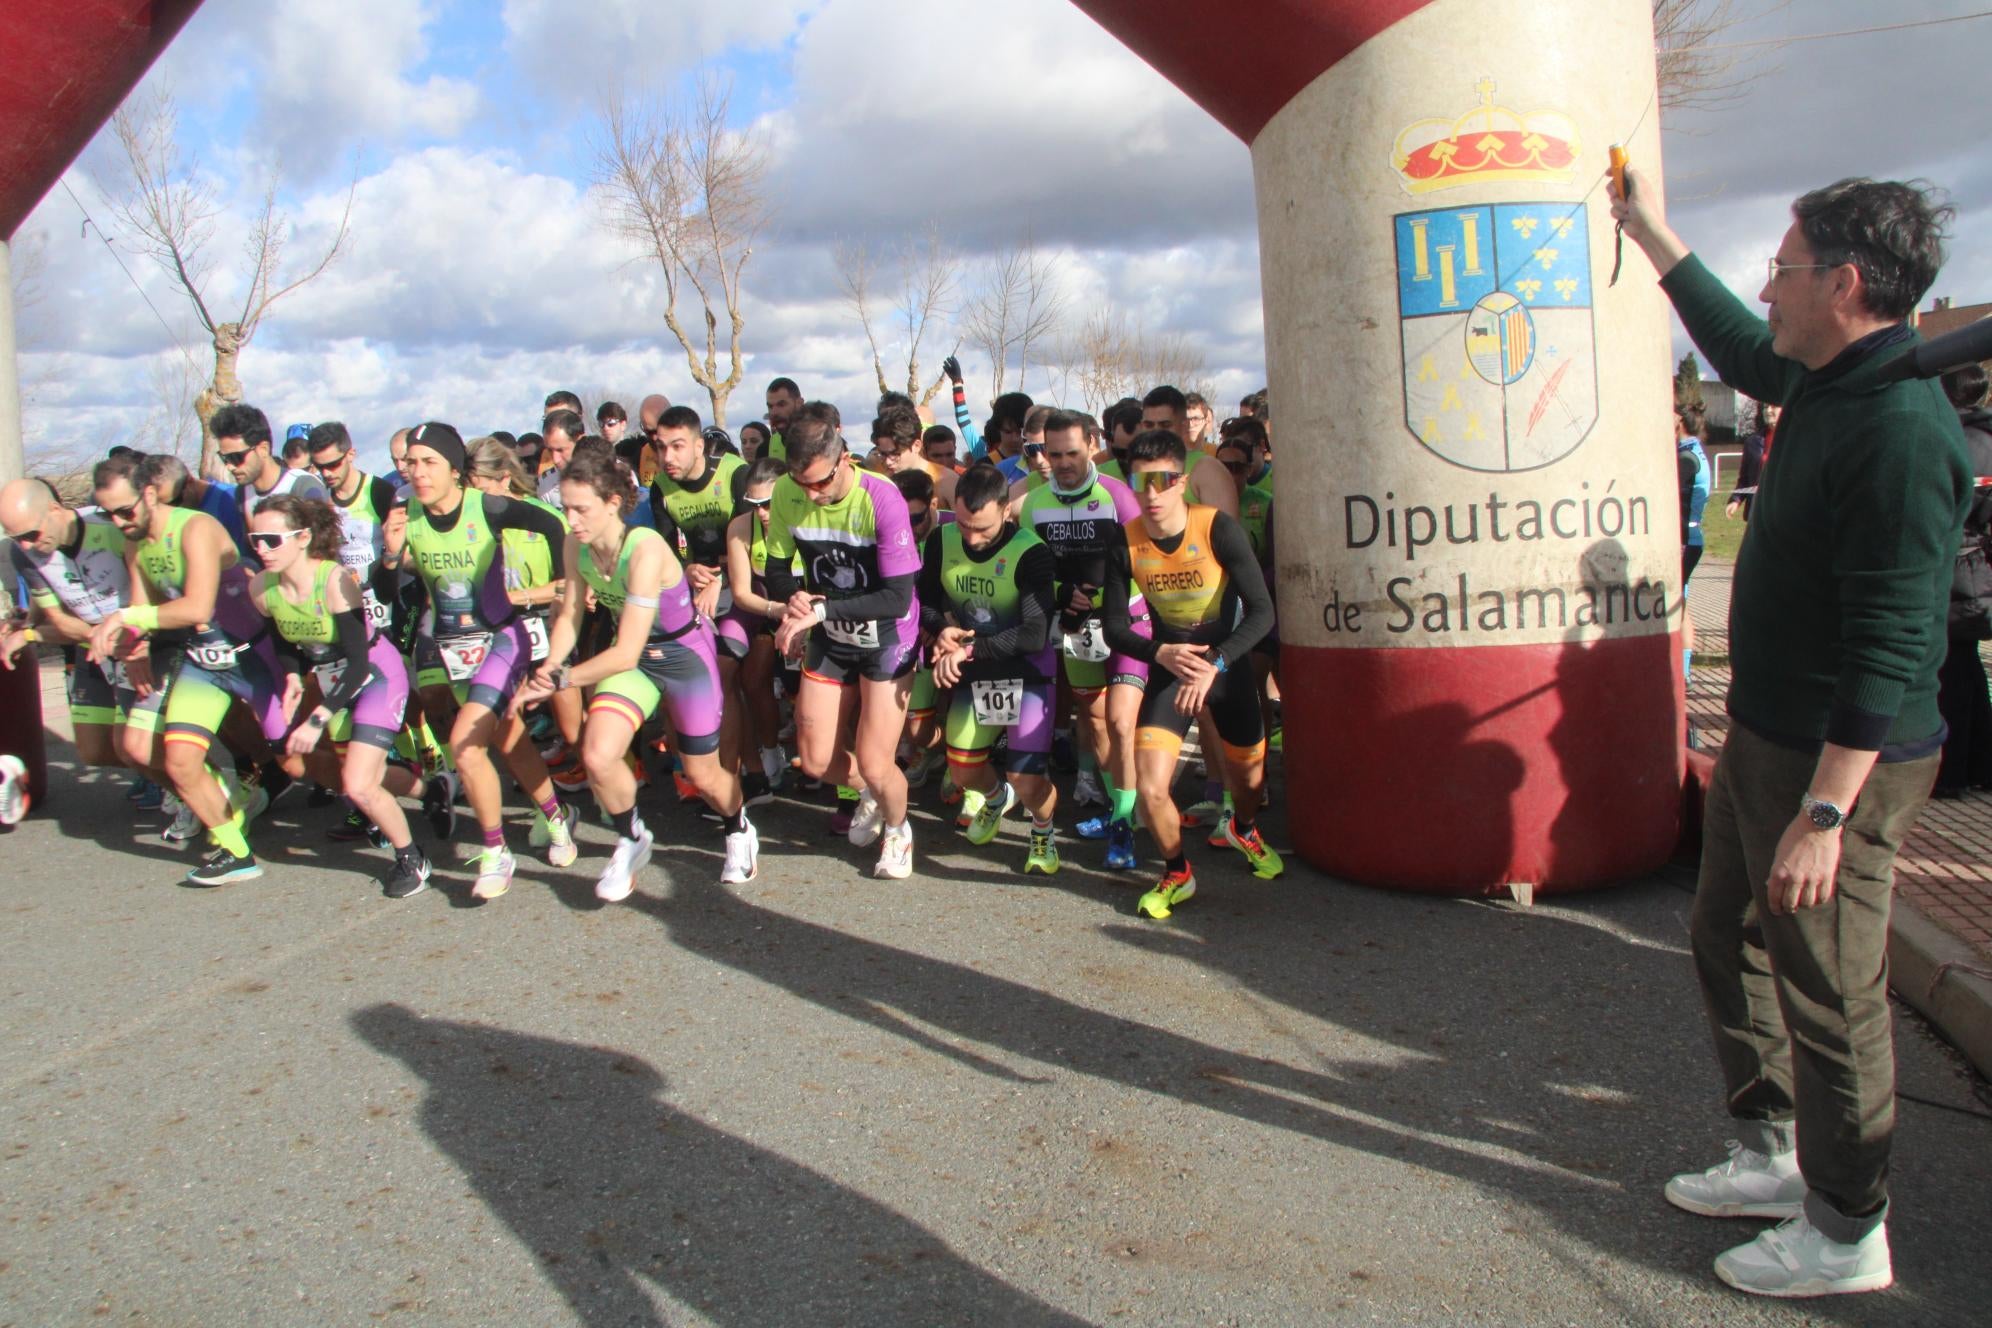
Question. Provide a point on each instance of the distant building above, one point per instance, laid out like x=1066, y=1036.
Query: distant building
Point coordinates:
x=1719, y=404
x=1943, y=316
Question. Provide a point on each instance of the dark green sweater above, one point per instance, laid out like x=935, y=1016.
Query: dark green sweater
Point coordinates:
x=1836, y=621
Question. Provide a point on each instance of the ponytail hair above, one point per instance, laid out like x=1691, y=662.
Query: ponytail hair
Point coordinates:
x=312, y=514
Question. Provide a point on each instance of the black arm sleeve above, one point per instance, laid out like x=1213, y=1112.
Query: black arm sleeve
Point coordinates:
x=354, y=642
x=289, y=658
x=737, y=490
x=1233, y=548
x=506, y=514
x=780, y=577
x=1114, y=616
x=882, y=603
x=380, y=497
x=1035, y=572
x=933, y=600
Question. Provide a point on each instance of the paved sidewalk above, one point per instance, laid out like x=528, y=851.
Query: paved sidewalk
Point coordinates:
x=1942, y=942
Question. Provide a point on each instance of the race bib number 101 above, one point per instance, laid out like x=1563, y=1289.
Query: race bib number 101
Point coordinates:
x=998, y=702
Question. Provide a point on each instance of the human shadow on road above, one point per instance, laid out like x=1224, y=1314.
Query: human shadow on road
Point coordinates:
x=611, y=1189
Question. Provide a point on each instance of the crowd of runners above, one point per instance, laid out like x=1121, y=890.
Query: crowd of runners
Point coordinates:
x=976, y=611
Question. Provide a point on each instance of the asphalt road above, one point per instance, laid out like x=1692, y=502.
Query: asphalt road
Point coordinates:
x=824, y=1099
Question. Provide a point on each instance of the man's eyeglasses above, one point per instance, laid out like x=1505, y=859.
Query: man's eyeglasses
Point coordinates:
x=327, y=467
x=818, y=486
x=1032, y=451
x=235, y=460
x=917, y=518
x=1151, y=481
x=270, y=540
x=26, y=537
x=122, y=513
x=1777, y=269
x=1236, y=467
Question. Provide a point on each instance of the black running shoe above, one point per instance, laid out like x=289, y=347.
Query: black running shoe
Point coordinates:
x=756, y=789
x=409, y=877
x=320, y=796
x=355, y=827
x=439, y=803
x=223, y=867
x=275, y=783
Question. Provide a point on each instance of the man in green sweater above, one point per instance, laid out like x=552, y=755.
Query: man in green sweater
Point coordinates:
x=1836, y=634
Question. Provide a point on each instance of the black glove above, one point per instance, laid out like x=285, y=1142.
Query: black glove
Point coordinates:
x=952, y=368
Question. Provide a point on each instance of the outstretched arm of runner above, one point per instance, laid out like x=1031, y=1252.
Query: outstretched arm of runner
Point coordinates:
x=509, y=514
x=1115, y=618
x=1035, y=571
x=650, y=567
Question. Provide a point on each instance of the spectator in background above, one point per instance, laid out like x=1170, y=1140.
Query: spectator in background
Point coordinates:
x=1755, y=448
x=753, y=440
x=1255, y=405
x=1691, y=466
x=1961, y=685
x=529, y=448
x=560, y=431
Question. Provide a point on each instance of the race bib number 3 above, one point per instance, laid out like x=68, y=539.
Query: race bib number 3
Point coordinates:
x=861, y=635
x=463, y=656
x=536, y=638
x=1089, y=643
x=998, y=702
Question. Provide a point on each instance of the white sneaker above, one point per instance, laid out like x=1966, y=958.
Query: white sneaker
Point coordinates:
x=743, y=857
x=186, y=826
x=1795, y=1258
x=13, y=790
x=1749, y=1184
x=561, y=850
x=895, y=856
x=1086, y=790
x=866, y=821
x=619, y=877
x=494, y=873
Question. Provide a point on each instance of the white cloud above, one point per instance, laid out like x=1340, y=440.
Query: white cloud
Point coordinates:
x=567, y=47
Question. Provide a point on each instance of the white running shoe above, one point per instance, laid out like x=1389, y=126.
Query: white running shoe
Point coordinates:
x=13, y=790
x=866, y=821
x=1749, y=1184
x=743, y=856
x=895, y=856
x=494, y=873
x=561, y=850
x=1086, y=790
x=186, y=826
x=1796, y=1258
x=618, y=879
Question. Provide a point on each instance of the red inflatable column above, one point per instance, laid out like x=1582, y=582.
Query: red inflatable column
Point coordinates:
x=1478, y=533
x=21, y=722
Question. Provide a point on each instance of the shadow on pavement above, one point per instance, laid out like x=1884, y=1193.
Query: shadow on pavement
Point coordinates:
x=610, y=1188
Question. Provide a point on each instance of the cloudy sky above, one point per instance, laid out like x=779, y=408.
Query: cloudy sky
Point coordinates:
x=480, y=274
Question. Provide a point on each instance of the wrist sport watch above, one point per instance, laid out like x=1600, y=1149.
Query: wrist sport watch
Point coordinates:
x=1825, y=815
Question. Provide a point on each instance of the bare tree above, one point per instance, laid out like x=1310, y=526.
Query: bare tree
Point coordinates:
x=926, y=274
x=1015, y=311
x=1112, y=356
x=1696, y=71
x=688, y=193
x=171, y=209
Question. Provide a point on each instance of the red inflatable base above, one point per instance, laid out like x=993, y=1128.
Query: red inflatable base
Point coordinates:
x=1460, y=771
x=21, y=722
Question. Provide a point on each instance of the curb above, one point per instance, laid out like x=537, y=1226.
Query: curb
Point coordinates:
x=1931, y=970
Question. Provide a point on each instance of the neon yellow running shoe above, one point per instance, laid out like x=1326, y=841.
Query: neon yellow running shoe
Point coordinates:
x=971, y=806
x=988, y=817
x=1266, y=864
x=1044, y=852
x=1172, y=889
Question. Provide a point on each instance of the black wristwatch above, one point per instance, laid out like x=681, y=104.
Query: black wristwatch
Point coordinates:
x=1826, y=815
